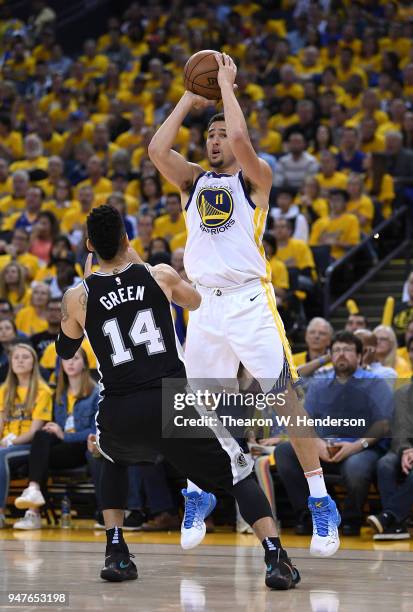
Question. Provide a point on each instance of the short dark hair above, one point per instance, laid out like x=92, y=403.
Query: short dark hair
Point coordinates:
x=106, y=231
x=348, y=338
x=55, y=300
x=174, y=194
x=270, y=239
x=7, y=302
x=217, y=117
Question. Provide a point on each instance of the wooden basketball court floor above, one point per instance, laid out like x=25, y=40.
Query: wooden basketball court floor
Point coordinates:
x=224, y=573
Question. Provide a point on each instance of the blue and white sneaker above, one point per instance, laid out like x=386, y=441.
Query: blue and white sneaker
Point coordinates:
x=197, y=507
x=326, y=520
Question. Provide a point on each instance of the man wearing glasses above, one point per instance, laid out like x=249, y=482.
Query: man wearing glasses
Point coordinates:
x=352, y=409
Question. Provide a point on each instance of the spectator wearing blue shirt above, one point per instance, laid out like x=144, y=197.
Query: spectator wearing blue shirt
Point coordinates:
x=350, y=158
x=34, y=201
x=352, y=449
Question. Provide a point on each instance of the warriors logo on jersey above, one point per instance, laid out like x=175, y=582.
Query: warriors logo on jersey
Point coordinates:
x=215, y=206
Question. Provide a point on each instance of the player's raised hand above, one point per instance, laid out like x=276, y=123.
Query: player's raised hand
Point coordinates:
x=88, y=265
x=227, y=69
x=198, y=102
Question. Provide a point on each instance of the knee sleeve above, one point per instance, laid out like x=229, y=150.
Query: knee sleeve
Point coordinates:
x=251, y=500
x=113, y=486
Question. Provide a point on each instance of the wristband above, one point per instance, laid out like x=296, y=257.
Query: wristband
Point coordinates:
x=322, y=361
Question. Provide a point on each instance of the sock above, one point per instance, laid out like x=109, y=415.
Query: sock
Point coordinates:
x=191, y=487
x=316, y=483
x=271, y=545
x=115, y=541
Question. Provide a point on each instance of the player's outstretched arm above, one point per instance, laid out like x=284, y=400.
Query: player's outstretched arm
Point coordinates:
x=171, y=164
x=175, y=288
x=71, y=331
x=255, y=169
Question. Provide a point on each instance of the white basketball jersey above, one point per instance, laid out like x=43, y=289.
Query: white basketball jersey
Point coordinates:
x=225, y=228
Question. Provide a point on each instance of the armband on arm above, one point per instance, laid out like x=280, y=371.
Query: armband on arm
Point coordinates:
x=66, y=347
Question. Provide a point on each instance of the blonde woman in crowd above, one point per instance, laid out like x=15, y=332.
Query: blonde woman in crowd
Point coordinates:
x=13, y=285
x=387, y=353
x=25, y=406
x=32, y=319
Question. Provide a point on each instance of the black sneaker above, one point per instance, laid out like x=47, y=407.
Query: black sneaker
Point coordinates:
x=387, y=527
x=381, y=521
x=118, y=567
x=281, y=574
x=134, y=521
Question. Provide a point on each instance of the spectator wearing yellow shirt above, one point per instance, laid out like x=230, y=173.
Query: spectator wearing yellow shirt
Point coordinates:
x=61, y=443
x=20, y=64
x=145, y=233
x=310, y=65
x=60, y=113
x=311, y=204
x=95, y=64
x=370, y=108
x=18, y=250
x=104, y=149
x=17, y=199
x=369, y=59
x=55, y=171
x=173, y=222
x=288, y=85
x=347, y=68
x=74, y=220
x=269, y=140
x=52, y=141
x=323, y=142
x=48, y=362
x=33, y=319
x=97, y=181
x=370, y=141
x=13, y=285
x=78, y=78
x=28, y=217
x=286, y=117
x=62, y=200
x=279, y=272
x=33, y=153
x=408, y=335
x=318, y=337
x=328, y=178
x=132, y=138
x=387, y=353
x=135, y=95
x=359, y=204
x=25, y=406
x=11, y=141
x=6, y=181
x=78, y=131
x=378, y=184
x=293, y=252
x=340, y=230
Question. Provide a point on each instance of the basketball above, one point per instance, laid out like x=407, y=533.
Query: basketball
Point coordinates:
x=200, y=75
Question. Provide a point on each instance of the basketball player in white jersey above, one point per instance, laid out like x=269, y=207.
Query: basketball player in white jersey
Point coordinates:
x=225, y=211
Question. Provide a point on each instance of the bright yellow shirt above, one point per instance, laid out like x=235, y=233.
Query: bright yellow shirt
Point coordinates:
x=71, y=219
x=29, y=323
x=54, y=145
x=295, y=90
x=377, y=145
x=279, y=273
x=345, y=228
x=9, y=204
x=40, y=163
x=337, y=181
x=164, y=227
x=104, y=185
x=386, y=195
x=49, y=357
x=300, y=359
x=60, y=211
x=6, y=187
x=364, y=206
x=129, y=140
x=18, y=421
x=296, y=254
x=271, y=142
x=14, y=142
x=178, y=241
x=27, y=260
x=95, y=66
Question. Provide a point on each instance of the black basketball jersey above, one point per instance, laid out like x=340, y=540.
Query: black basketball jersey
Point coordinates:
x=129, y=325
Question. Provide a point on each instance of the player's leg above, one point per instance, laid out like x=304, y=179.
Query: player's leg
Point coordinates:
x=209, y=361
x=217, y=461
x=265, y=352
x=114, y=492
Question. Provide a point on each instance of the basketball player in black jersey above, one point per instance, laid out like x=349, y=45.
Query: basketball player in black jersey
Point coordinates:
x=124, y=308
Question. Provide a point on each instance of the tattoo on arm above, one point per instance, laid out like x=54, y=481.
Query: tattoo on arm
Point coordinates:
x=65, y=312
x=83, y=301
x=115, y=270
